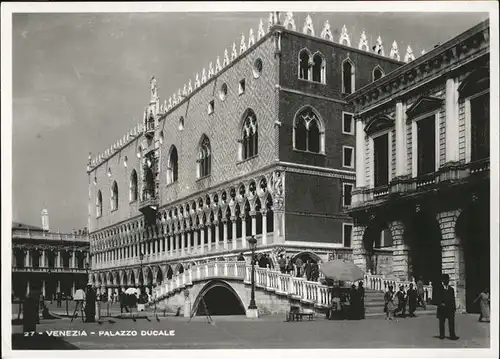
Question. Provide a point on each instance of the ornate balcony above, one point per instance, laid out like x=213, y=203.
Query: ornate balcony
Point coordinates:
x=149, y=205
x=47, y=269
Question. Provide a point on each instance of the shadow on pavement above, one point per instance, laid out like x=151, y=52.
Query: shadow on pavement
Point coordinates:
x=39, y=342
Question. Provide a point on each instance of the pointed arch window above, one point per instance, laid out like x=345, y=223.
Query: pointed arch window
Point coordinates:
x=309, y=132
x=249, y=138
x=172, y=166
x=348, y=76
x=319, y=68
x=98, y=204
x=304, y=64
x=114, y=196
x=204, y=158
x=377, y=73
x=133, y=186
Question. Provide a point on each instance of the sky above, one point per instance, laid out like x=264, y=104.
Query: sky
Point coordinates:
x=80, y=81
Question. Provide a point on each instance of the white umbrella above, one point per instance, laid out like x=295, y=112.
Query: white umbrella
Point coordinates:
x=131, y=291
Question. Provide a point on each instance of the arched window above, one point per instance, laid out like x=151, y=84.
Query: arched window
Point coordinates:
x=270, y=215
x=319, y=68
x=348, y=76
x=377, y=73
x=304, y=65
x=133, y=186
x=172, y=166
x=114, y=196
x=204, y=158
x=98, y=204
x=249, y=141
x=308, y=131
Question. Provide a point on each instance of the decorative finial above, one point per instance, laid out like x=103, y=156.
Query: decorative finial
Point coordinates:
x=184, y=91
x=218, y=67
x=234, y=53
x=394, y=54
x=179, y=95
x=409, y=54
x=326, y=33
x=270, y=22
x=423, y=52
x=190, y=87
x=197, y=80
x=289, y=21
x=165, y=105
x=169, y=103
x=226, y=58
x=251, y=38
x=154, y=94
x=174, y=99
x=210, y=70
x=243, y=45
x=363, y=42
x=261, y=33
x=379, y=48
x=308, y=28
x=203, y=76
x=344, y=37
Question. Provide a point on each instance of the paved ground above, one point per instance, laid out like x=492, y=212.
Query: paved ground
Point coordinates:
x=266, y=332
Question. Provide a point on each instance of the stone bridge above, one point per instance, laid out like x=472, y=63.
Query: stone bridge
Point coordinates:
x=226, y=289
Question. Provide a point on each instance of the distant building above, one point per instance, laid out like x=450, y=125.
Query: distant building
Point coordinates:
x=47, y=261
x=421, y=202
x=262, y=143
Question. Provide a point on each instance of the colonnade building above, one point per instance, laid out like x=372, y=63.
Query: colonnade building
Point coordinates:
x=421, y=201
x=262, y=143
x=48, y=262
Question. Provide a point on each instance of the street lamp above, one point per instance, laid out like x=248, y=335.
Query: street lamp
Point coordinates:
x=141, y=257
x=252, y=308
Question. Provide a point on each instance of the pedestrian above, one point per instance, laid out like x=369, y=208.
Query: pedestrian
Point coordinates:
x=90, y=300
x=445, y=297
x=289, y=265
x=298, y=263
x=59, y=300
x=389, y=303
x=269, y=262
x=314, y=271
x=361, y=294
x=353, y=303
x=401, y=296
x=412, y=297
x=241, y=258
x=282, y=264
x=420, y=292
x=262, y=261
x=484, y=303
x=308, y=270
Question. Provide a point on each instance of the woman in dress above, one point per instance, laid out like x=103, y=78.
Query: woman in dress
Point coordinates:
x=484, y=302
x=389, y=303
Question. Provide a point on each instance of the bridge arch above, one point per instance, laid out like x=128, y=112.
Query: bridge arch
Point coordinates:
x=220, y=298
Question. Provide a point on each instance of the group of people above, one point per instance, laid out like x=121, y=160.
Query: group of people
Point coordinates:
x=307, y=269
x=348, y=304
x=395, y=303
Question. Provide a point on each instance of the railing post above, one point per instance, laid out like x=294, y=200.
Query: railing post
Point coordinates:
x=225, y=269
x=216, y=269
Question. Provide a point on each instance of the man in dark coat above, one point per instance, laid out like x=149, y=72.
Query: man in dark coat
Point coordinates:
x=308, y=270
x=353, y=303
x=90, y=300
x=445, y=299
x=361, y=294
x=401, y=295
x=412, y=296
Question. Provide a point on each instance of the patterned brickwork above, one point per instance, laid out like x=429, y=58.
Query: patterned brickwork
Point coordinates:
x=400, y=263
x=453, y=259
x=358, y=248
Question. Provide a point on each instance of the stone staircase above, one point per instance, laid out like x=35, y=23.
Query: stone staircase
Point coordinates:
x=374, y=305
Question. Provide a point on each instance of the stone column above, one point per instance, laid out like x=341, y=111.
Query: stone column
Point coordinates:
x=360, y=154
x=216, y=224
x=358, y=247
x=233, y=221
x=209, y=235
x=452, y=255
x=224, y=233
x=59, y=264
x=452, y=137
x=400, y=127
x=188, y=244
x=73, y=259
x=243, y=231
x=27, y=259
x=183, y=242
x=202, y=238
x=171, y=245
x=400, y=263
x=58, y=286
x=28, y=287
x=44, y=262
x=73, y=289
x=254, y=223
x=43, y=288
x=196, y=239
x=264, y=226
